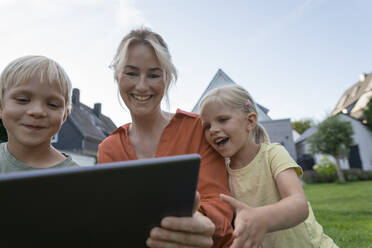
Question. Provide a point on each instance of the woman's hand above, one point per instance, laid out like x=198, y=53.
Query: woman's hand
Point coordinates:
x=250, y=226
x=195, y=231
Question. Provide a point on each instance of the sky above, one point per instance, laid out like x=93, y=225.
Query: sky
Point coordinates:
x=295, y=57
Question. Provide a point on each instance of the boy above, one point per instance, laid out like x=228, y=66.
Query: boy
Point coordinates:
x=35, y=100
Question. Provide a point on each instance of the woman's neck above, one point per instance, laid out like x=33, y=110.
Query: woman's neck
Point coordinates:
x=145, y=133
x=154, y=123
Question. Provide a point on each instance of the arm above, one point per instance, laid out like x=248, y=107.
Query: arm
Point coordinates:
x=103, y=156
x=251, y=224
x=213, y=181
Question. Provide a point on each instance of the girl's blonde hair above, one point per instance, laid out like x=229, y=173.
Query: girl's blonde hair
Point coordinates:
x=22, y=69
x=146, y=37
x=236, y=97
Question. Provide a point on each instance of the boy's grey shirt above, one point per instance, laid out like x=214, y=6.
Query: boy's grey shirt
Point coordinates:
x=8, y=163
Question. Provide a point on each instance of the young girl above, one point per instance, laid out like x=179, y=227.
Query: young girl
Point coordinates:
x=272, y=210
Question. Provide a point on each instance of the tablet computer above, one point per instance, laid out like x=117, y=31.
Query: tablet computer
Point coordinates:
x=108, y=205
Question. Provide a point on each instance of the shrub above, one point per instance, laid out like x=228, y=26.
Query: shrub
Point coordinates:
x=325, y=167
x=312, y=176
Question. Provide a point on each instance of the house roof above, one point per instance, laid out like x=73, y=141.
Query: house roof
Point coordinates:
x=305, y=135
x=355, y=98
x=91, y=123
x=222, y=79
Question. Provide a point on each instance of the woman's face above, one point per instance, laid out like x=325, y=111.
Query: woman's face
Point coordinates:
x=142, y=83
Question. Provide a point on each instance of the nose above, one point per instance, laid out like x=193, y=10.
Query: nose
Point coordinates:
x=213, y=129
x=142, y=83
x=37, y=110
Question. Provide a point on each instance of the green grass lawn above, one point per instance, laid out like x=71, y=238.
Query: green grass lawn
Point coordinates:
x=344, y=211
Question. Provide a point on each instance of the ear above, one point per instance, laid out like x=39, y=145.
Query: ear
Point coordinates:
x=251, y=121
x=65, y=115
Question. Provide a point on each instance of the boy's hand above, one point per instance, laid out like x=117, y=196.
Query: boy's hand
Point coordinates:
x=250, y=226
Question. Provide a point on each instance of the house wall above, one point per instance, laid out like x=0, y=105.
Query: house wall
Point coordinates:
x=280, y=131
x=363, y=138
x=69, y=138
x=302, y=148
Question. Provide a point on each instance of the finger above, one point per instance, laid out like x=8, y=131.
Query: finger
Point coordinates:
x=162, y=244
x=198, y=223
x=196, y=202
x=232, y=201
x=252, y=244
x=166, y=237
x=239, y=243
x=239, y=228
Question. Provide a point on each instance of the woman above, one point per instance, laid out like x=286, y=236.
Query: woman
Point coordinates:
x=144, y=71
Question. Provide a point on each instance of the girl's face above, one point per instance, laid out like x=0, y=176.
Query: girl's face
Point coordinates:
x=227, y=129
x=142, y=81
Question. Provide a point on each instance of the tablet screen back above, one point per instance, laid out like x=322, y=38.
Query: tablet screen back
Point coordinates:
x=110, y=205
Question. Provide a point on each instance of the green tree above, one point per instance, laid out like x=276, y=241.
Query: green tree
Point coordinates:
x=368, y=114
x=334, y=137
x=3, y=134
x=302, y=125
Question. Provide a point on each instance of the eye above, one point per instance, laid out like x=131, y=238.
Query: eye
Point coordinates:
x=131, y=74
x=22, y=99
x=223, y=119
x=53, y=105
x=153, y=75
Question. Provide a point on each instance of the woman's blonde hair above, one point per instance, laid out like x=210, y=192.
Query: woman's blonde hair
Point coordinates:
x=22, y=69
x=155, y=41
x=236, y=97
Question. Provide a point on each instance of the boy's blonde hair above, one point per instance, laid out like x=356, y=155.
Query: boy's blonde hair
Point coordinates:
x=236, y=97
x=22, y=69
x=146, y=37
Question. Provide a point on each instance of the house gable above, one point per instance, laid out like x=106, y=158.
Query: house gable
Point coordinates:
x=221, y=79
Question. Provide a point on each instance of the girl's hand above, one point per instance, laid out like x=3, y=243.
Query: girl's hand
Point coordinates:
x=250, y=226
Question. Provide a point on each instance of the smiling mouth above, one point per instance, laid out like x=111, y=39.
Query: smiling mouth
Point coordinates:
x=141, y=98
x=221, y=141
x=33, y=127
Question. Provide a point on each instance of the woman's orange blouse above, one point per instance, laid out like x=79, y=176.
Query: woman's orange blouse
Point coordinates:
x=184, y=135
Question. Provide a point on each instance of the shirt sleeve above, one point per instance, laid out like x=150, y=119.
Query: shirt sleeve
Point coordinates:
x=280, y=160
x=102, y=155
x=212, y=182
x=107, y=151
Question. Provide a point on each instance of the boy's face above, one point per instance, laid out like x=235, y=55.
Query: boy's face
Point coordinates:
x=32, y=113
